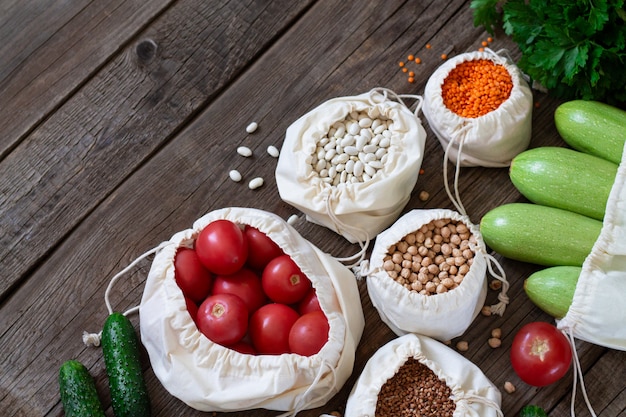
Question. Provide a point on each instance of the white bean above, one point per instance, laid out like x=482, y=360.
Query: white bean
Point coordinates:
x=351, y=150
x=252, y=127
x=255, y=183
x=273, y=151
x=350, y=166
x=292, y=219
x=358, y=168
x=234, y=175
x=371, y=148
x=244, y=151
x=365, y=122
x=354, y=128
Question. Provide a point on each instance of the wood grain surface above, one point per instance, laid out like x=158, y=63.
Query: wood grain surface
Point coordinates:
x=119, y=123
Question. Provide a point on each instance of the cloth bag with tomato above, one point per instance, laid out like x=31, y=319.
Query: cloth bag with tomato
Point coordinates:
x=358, y=211
x=473, y=393
x=211, y=377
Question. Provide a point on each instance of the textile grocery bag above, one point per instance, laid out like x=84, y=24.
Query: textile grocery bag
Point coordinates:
x=491, y=140
x=357, y=211
x=472, y=392
x=598, y=310
x=209, y=377
x=440, y=316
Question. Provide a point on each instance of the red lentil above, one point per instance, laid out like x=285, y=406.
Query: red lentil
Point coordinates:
x=415, y=391
x=418, y=60
x=475, y=88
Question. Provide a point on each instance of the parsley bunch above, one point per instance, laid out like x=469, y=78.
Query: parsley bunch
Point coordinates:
x=575, y=49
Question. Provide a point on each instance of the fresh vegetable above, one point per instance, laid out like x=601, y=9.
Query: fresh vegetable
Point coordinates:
x=540, y=354
x=120, y=347
x=78, y=391
x=538, y=234
x=309, y=334
x=592, y=127
x=245, y=284
x=575, y=49
x=532, y=411
x=552, y=289
x=309, y=303
x=222, y=247
x=269, y=328
x=475, y=88
x=191, y=276
x=223, y=318
x=564, y=178
x=284, y=282
x=261, y=249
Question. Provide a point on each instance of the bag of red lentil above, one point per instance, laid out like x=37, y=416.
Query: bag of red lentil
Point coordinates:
x=351, y=163
x=480, y=107
x=210, y=377
x=414, y=374
x=427, y=274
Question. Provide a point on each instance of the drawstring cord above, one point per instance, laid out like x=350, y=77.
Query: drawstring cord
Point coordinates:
x=386, y=92
x=301, y=404
x=339, y=225
x=456, y=199
x=578, y=375
x=93, y=339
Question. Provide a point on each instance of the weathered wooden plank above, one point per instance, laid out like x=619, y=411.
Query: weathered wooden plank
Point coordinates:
x=54, y=47
x=60, y=172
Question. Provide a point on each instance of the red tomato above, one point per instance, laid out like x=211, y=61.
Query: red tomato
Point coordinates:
x=309, y=303
x=191, y=276
x=192, y=308
x=222, y=247
x=261, y=249
x=245, y=284
x=223, y=318
x=269, y=328
x=243, y=347
x=283, y=281
x=309, y=333
x=540, y=354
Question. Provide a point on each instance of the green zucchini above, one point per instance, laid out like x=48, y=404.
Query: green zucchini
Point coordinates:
x=78, y=391
x=539, y=234
x=552, y=289
x=592, y=127
x=120, y=347
x=564, y=178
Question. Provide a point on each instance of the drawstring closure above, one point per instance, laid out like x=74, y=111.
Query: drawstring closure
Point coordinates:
x=577, y=375
x=386, y=93
x=456, y=198
x=93, y=339
x=359, y=234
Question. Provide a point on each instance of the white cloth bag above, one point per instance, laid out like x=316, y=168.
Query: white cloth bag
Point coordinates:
x=598, y=310
x=356, y=211
x=209, y=377
x=441, y=316
x=491, y=140
x=473, y=393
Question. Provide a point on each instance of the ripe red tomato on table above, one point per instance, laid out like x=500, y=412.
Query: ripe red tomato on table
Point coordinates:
x=269, y=328
x=223, y=318
x=283, y=281
x=190, y=274
x=309, y=333
x=540, y=354
x=261, y=249
x=222, y=247
x=245, y=284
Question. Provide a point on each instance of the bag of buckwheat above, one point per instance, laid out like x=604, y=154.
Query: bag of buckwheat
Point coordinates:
x=417, y=375
x=427, y=274
x=351, y=163
x=210, y=377
x=480, y=108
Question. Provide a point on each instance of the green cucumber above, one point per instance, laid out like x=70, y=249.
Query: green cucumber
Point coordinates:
x=564, y=178
x=78, y=391
x=552, y=289
x=120, y=347
x=592, y=127
x=539, y=234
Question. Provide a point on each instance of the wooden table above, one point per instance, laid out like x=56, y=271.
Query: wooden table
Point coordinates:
x=119, y=122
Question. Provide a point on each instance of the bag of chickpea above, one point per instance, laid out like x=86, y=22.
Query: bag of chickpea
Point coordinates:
x=351, y=163
x=427, y=274
x=480, y=107
x=210, y=377
x=412, y=374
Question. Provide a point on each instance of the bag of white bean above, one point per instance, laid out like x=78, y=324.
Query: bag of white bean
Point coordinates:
x=427, y=274
x=474, y=133
x=210, y=377
x=445, y=380
x=351, y=163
